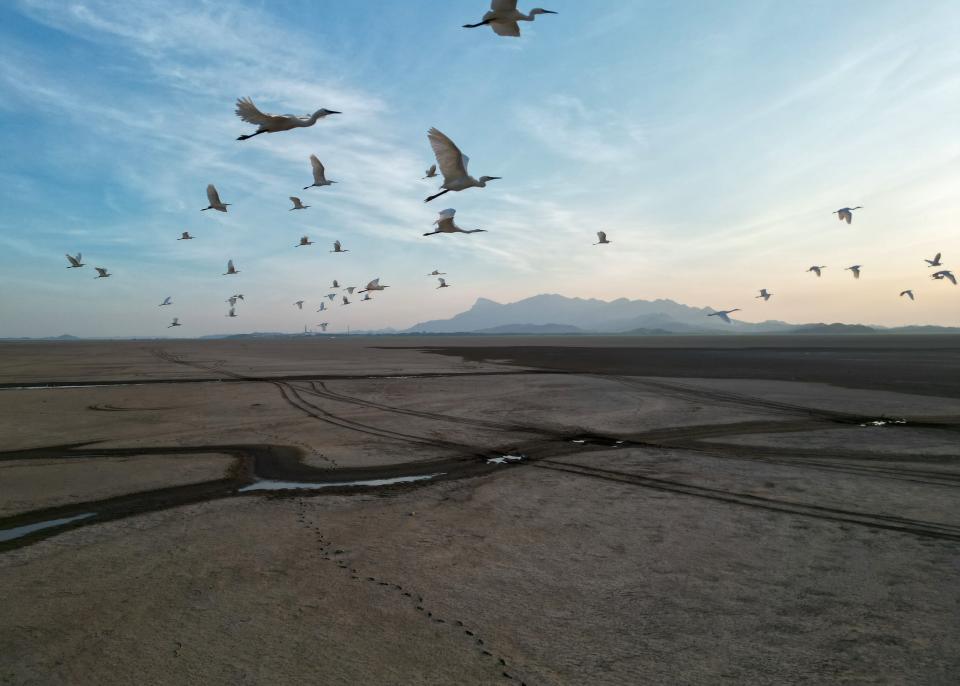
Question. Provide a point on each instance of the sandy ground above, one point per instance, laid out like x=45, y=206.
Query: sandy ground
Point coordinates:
x=745, y=531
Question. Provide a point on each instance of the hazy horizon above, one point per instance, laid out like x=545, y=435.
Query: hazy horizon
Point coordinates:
x=712, y=146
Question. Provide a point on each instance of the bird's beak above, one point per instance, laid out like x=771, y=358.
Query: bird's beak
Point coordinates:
x=549, y=12
x=491, y=178
x=333, y=112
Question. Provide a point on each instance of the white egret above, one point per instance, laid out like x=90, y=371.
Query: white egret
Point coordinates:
x=453, y=166
x=214, y=199
x=336, y=284
x=166, y=301
x=323, y=326
x=503, y=17
x=322, y=307
x=945, y=274
x=445, y=224
x=431, y=171
x=319, y=176
x=102, y=273
x=724, y=314
x=185, y=236
x=273, y=123
x=854, y=269
x=935, y=262
x=350, y=289
x=299, y=304
x=443, y=283
x=764, y=294
x=907, y=293
x=304, y=240
x=297, y=205
x=175, y=322
x=374, y=286
x=816, y=269
x=846, y=213
x=231, y=269
x=75, y=262
x=337, y=248
x=602, y=238
x=436, y=272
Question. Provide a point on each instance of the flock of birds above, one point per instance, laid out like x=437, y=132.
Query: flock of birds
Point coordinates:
x=503, y=18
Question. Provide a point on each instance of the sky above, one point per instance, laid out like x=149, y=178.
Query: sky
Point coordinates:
x=711, y=141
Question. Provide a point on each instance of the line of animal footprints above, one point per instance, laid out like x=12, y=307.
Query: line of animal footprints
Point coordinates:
x=356, y=576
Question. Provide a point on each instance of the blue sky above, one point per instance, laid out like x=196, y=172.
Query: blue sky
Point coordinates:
x=710, y=140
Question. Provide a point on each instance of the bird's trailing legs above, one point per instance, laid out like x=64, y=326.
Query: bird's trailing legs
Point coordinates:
x=473, y=26
x=249, y=135
x=432, y=197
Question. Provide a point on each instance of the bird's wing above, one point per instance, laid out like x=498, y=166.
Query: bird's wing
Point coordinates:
x=249, y=112
x=936, y=257
x=431, y=170
x=229, y=265
x=453, y=163
x=336, y=245
x=212, y=195
x=374, y=284
x=317, y=169
x=503, y=5
x=446, y=214
x=73, y=260
x=443, y=282
x=952, y=278
x=602, y=236
x=511, y=29
x=295, y=201
x=724, y=316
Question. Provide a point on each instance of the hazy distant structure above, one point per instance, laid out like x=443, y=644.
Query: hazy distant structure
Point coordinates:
x=166, y=301
x=602, y=238
x=431, y=171
x=337, y=247
x=907, y=293
x=214, y=199
x=935, y=262
x=319, y=175
x=75, y=262
x=503, y=17
x=816, y=269
x=102, y=273
x=185, y=236
x=231, y=269
x=453, y=166
x=274, y=123
x=846, y=213
x=764, y=294
x=945, y=274
x=374, y=286
x=443, y=283
x=854, y=269
x=724, y=314
x=445, y=224
x=175, y=322
x=304, y=240
x=299, y=304
x=297, y=205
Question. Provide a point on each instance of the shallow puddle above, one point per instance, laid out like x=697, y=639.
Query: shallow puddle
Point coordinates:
x=21, y=531
x=506, y=459
x=267, y=485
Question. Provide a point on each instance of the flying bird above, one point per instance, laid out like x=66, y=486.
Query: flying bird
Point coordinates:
x=443, y=283
x=431, y=171
x=175, y=322
x=232, y=313
x=322, y=307
x=350, y=289
x=935, y=262
x=273, y=123
x=234, y=298
x=945, y=274
x=332, y=296
x=602, y=238
x=304, y=240
x=445, y=224
x=299, y=304
x=214, y=199
x=297, y=205
x=166, y=301
x=238, y=296
x=366, y=296
x=336, y=284
x=846, y=213
x=374, y=286
x=453, y=166
x=724, y=314
x=503, y=17
x=907, y=293
x=323, y=326
x=855, y=269
x=816, y=269
x=764, y=294
x=231, y=269
x=345, y=301
x=337, y=248
x=75, y=262
x=102, y=273
x=436, y=272
x=319, y=177
x=185, y=236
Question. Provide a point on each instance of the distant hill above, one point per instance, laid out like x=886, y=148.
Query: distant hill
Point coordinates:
x=531, y=329
x=834, y=328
